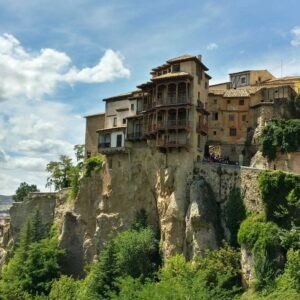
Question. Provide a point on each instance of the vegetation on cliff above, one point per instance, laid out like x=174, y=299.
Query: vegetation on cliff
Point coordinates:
x=274, y=237
x=23, y=190
x=280, y=135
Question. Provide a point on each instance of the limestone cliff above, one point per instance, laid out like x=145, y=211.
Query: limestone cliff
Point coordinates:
x=183, y=201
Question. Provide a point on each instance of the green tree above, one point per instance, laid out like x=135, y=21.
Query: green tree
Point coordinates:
x=132, y=253
x=34, y=265
x=23, y=190
x=59, y=173
x=65, y=288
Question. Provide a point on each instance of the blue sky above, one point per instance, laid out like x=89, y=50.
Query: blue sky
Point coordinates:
x=231, y=35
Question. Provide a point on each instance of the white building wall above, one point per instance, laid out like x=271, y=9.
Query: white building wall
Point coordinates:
x=113, y=138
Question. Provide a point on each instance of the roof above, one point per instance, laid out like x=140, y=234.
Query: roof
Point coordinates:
x=112, y=128
x=121, y=96
x=232, y=93
x=171, y=75
x=94, y=115
x=283, y=80
x=187, y=57
x=246, y=71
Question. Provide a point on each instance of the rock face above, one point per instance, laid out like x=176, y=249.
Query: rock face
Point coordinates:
x=183, y=201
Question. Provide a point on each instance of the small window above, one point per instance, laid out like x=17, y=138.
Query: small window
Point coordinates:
x=176, y=68
x=132, y=107
x=243, y=80
x=241, y=102
x=124, y=121
x=244, y=117
x=206, y=85
x=214, y=132
x=231, y=117
x=228, y=101
x=215, y=101
x=110, y=163
x=215, y=116
x=115, y=122
x=232, y=131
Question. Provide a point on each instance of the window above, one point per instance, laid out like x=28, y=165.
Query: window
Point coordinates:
x=124, y=121
x=215, y=116
x=243, y=80
x=228, y=101
x=115, y=122
x=244, y=118
x=215, y=101
x=119, y=140
x=231, y=117
x=176, y=68
x=206, y=85
x=132, y=107
x=232, y=131
x=241, y=102
x=214, y=132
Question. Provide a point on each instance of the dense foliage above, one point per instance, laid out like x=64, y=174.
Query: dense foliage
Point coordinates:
x=281, y=196
x=23, y=190
x=235, y=213
x=34, y=265
x=64, y=173
x=215, y=276
x=280, y=135
x=274, y=236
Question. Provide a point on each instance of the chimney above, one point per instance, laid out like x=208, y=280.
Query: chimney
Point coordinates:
x=199, y=57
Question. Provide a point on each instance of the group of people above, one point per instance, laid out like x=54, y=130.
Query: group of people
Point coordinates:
x=220, y=159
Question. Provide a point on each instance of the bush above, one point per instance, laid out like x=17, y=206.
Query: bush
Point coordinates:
x=263, y=239
x=64, y=288
x=235, y=213
x=282, y=135
x=293, y=267
x=93, y=164
x=281, y=197
x=131, y=253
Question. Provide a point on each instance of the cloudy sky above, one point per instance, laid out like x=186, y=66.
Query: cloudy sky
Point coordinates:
x=58, y=59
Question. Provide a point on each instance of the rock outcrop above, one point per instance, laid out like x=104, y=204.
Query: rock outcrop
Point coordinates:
x=183, y=201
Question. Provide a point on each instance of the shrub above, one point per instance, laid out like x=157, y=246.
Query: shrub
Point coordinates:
x=64, y=288
x=282, y=135
x=264, y=241
x=235, y=213
x=93, y=164
x=293, y=267
x=281, y=197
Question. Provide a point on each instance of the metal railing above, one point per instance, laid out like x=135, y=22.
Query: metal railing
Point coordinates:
x=103, y=145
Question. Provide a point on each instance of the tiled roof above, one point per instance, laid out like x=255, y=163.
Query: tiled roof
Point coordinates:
x=283, y=80
x=121, y=96
x=239, y=92
x=187, y=57
x=171, y=75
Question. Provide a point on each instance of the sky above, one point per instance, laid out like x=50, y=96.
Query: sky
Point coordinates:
x=59, y=59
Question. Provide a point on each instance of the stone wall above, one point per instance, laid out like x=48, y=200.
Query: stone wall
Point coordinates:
x=222, y=178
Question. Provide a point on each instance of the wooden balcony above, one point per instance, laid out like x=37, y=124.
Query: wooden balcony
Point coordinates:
x=172, y=143
x=202, y=128
x=172, y=101
x=136, y=136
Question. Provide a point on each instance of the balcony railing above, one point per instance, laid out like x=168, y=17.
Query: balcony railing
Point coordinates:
x=134, y=136
x=172, y=101
x=103, y=145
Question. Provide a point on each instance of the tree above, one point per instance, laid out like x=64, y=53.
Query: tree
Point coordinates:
x=59, y=173
x=34, y=265
x=65, y=288
x=23, y=190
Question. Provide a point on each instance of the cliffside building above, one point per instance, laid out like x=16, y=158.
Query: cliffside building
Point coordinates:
x=167, y=112
x=242, y=106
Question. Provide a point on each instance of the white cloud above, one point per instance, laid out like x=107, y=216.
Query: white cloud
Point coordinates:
x=34, y=75
x=296, y=36
x=212, y=46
